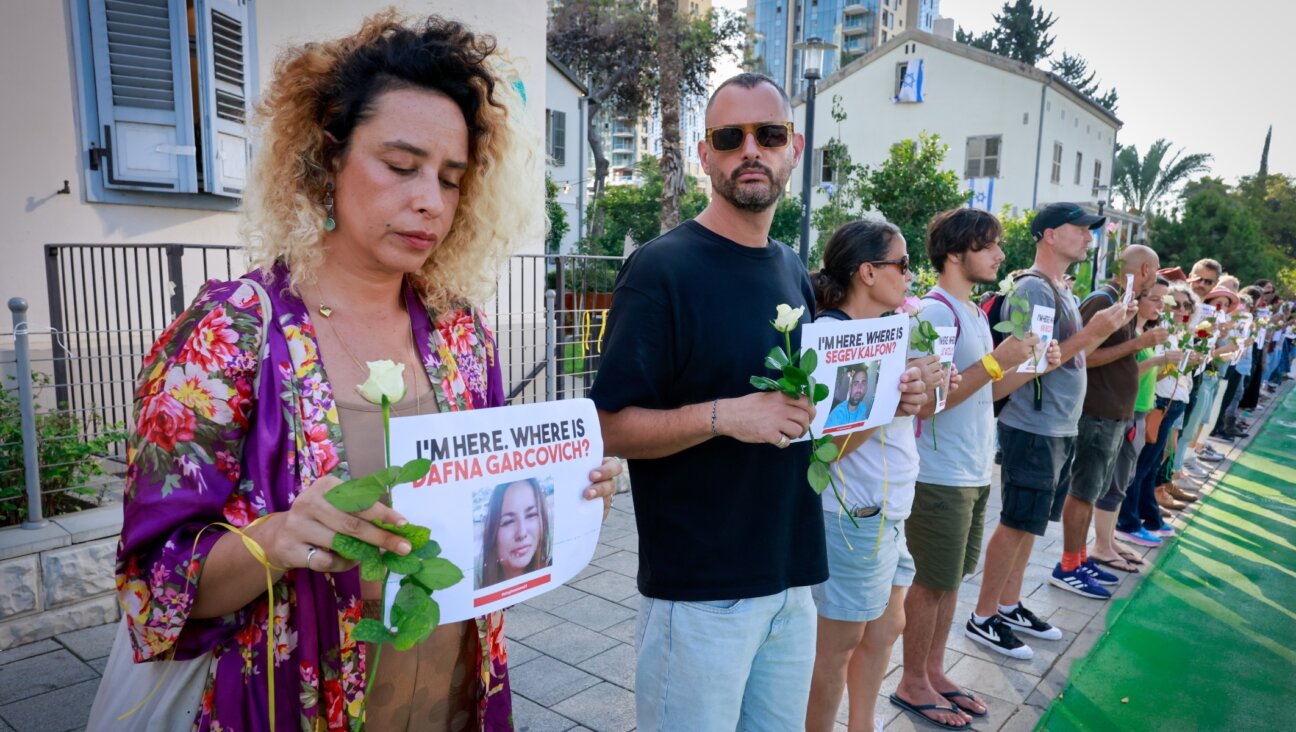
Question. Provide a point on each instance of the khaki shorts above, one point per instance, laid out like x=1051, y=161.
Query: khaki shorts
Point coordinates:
x=944, y=533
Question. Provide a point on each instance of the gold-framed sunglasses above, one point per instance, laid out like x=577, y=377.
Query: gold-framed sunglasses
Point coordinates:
x=769, y=135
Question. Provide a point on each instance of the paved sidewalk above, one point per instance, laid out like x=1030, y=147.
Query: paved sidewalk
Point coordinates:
x=571, y=651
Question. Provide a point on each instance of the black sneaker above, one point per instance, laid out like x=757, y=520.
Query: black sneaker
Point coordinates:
x=996, y=634
x=1022, y=620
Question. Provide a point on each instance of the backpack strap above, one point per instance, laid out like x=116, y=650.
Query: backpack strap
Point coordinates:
x=832, y=314
x=958, y=325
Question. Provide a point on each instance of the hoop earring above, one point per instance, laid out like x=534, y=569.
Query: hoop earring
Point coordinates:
x=329, y=223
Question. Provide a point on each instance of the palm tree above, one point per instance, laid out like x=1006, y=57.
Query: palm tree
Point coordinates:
x=1143, y=182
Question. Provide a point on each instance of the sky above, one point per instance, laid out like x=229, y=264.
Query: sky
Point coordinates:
x=1209, y=77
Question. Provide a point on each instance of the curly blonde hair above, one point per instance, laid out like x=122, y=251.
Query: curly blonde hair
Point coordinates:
x=322, y=91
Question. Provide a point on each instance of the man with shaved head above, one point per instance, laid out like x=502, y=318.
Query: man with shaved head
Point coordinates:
x=1108, y=411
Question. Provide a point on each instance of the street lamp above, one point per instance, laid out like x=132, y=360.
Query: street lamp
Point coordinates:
x=1101, y=250
x=812, y=53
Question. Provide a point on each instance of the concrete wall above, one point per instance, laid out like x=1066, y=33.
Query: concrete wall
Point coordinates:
x=563, y=96
x=40, y=136
x=965, y=97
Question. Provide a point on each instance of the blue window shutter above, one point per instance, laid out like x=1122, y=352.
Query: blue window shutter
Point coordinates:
x=141, y=65
x=224, y=85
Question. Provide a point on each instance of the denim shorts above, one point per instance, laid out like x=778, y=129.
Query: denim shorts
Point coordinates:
x=862, y=571
x=1036, y=474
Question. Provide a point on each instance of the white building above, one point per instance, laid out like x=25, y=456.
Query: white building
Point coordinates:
x=564, y=141
x=1018, y=136
x=135, y=148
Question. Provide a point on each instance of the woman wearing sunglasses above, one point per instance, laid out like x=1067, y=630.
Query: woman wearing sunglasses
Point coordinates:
x=861, y=606
x=1140, y=519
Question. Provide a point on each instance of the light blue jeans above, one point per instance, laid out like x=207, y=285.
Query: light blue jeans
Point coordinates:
x=724, y=665
x=1201, y=409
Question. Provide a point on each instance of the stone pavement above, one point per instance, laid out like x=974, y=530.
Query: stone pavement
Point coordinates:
x=571, y=651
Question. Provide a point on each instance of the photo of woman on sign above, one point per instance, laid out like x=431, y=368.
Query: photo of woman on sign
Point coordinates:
x=516, y=531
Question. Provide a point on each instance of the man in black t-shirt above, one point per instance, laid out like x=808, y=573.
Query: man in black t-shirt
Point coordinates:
x=730, y=533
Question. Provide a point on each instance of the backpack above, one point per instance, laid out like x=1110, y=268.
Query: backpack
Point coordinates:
x=992, y=306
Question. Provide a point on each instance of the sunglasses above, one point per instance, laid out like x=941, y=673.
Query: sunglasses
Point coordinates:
x=902, y=263
x=1207, y=280
x=769, y=135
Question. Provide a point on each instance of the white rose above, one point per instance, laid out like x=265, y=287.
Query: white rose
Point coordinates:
x=787, y=318
x=386, y=379
x=1006, y=285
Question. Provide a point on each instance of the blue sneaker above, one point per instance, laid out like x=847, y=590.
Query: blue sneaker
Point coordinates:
x=1100, y=575
x=1079, y=582
x=1142, y=537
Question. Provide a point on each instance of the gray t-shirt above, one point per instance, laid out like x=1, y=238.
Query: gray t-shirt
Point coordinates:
x=1063, y=389
x=956, y=447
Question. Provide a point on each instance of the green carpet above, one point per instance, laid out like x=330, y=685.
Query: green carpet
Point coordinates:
x=1208, y=640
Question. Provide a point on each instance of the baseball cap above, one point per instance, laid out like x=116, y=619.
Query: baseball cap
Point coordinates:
x=1055, y=215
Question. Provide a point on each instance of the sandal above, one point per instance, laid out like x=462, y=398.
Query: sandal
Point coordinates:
x=1131, y=557
x=1120, y=564
x=921, y=709
x=952, y=696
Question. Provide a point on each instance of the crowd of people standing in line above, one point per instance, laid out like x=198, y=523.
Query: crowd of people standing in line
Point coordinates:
x=761, y=604
x=385, y=196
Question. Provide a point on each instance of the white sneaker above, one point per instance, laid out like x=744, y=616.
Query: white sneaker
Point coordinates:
x=877, y=724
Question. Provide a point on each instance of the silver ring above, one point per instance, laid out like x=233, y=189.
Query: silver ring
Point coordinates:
x=310, y=554
x=783, y=442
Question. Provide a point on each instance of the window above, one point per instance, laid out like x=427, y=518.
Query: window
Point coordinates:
x=823, y=172
x=150, y=126
x=1079, y=166
x=983, y=156
x=1097, y=181
x=556, y=137
x=902, y=68
x=1056, y=177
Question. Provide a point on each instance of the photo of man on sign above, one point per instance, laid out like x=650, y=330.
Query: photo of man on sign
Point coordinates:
x=514, y=523
x=853, y=396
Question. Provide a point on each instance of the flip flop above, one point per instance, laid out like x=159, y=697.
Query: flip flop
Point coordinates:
x=1119, y=564
x=918, y=709
x=1130, y=556
x=951, y=695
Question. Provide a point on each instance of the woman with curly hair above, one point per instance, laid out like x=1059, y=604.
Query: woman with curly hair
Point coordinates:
x=390, y=184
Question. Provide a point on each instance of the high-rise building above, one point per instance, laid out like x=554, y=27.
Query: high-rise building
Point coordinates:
x=854, y=26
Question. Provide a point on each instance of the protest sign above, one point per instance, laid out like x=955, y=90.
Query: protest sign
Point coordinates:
x=1128, y=297
x=504, y=497
x=945, y=343
x=1042, y=326
x=861, y=362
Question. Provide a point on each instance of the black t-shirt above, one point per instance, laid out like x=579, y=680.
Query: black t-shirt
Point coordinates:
x=690, y=322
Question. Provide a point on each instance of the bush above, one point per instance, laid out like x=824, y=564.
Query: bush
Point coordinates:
x=68, y=458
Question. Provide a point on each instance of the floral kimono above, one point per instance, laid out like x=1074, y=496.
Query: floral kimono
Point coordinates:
x=233, y=420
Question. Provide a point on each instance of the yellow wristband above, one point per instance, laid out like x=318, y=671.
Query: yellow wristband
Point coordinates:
x=992, y=367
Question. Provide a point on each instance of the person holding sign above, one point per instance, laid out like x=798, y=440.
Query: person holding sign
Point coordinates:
x=1037, y=427
x=1106, y=418
x=387, y=187
x=730, y=534
x=953, y=485
x=861, y=605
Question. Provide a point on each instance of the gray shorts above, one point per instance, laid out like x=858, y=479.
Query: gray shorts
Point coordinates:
x=1097, y=445
x=1126, y=459
x=1036, y=472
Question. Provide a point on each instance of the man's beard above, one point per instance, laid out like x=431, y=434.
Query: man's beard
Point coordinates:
x=747, y=197
x=989, y=279
x=855, y=401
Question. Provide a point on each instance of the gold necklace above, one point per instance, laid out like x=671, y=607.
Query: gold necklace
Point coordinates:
x=418, y=397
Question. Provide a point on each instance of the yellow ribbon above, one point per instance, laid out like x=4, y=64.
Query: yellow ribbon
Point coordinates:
x=585, y=336
x=259, y=554
x=602, y=329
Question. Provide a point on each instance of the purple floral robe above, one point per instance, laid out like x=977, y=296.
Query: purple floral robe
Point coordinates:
x=225, y=434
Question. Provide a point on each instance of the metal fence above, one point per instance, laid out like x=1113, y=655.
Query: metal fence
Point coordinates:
x=108, y=303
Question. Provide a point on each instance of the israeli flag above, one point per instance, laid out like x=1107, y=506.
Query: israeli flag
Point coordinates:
x=911, y=87
x=982, y=194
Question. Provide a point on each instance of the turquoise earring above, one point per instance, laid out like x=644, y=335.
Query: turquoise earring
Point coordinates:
x=329, y=223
